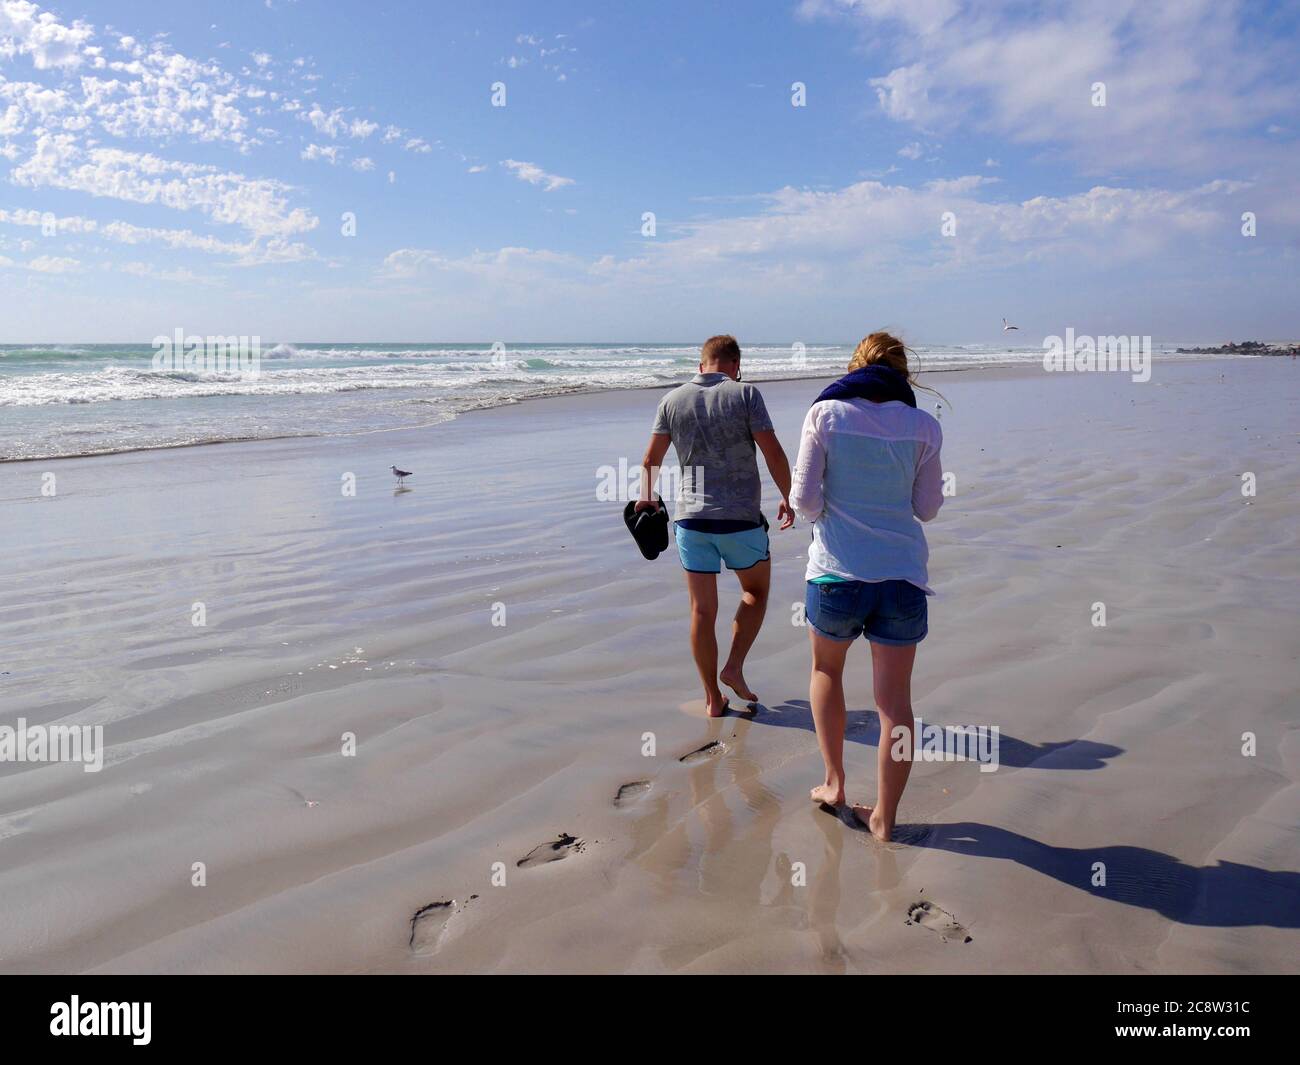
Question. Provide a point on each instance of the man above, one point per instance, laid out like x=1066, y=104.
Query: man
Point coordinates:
x=714, y=422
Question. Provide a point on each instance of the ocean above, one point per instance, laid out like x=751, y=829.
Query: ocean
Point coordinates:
x=64, y=400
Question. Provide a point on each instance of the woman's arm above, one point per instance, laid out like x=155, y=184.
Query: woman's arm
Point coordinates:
x=927, y=489
x=809, y=469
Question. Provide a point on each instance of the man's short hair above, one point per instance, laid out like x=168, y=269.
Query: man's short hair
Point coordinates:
x=720, y=349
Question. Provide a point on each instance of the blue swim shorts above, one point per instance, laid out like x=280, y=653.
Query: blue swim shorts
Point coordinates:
x=703, y=552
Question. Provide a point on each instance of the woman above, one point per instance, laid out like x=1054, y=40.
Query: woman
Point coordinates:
x=868, y=468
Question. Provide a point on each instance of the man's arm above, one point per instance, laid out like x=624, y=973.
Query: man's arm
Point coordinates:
x=650, y=463
x=779, y=467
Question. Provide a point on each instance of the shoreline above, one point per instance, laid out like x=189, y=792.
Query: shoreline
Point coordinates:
x=1017, y=369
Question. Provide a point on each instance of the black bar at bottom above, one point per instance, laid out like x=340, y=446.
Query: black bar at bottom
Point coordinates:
x=332, y=1014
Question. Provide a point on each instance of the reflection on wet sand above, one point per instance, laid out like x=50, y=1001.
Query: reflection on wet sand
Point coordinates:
x=734, y=855
x=825, y=895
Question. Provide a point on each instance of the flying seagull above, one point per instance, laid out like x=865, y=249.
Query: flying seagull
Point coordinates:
x=1007, y=328
x=400, y=474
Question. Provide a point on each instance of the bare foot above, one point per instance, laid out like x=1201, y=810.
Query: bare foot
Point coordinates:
x=716, y=704
x=874, y=823
x=830, y=794
x=735, y=680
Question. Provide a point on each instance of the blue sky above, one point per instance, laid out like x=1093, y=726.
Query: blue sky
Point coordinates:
x=166, y=166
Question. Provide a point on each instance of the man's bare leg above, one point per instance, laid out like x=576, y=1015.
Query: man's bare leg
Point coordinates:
x=703, y=588
x=891, y=669
x=754, y=585
x=826, y=693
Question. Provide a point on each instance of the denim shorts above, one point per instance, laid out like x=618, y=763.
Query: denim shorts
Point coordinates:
x=703, y=552
x=888, y=612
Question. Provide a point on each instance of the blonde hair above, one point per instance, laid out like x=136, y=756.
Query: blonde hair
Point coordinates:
x=885, y=349
x=881, y=348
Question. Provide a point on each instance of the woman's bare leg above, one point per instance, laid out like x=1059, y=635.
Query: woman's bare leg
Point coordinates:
x=891, y=669
x=826, y=693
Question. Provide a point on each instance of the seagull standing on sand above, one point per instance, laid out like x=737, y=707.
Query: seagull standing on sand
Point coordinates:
x=1007, y=328
x=400, y=474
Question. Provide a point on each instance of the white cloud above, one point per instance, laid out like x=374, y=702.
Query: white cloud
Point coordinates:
x=315, y=151
x=507, y=266
x=70, y=127
x=40, y=35
x=330, y=123
x=256, y=204
x=904, y=93
x=911, y=151
x=66, y=224
x=335, y=123
x=163, y=94
x=1026, y=72
x=246, y=252
x=535, y=175
x=11, y=121
x=53, y=264
x=549, y=56
x=148, y=90
x=126, y=233
x=275, y=250
x=182, y=276
x=815, y=241
x=407, y=262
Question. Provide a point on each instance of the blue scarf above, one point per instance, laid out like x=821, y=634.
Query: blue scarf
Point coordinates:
x=876, y=383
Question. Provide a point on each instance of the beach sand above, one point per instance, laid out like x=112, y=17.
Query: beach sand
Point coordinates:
x=479, y=745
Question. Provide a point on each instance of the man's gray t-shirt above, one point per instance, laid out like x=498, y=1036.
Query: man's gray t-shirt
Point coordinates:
x=712, y=421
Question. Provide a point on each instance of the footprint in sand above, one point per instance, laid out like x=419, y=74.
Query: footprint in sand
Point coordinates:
x=710, y=750
x=937, y=920
x=427, y=924
x=631, y=792
x=555, y=851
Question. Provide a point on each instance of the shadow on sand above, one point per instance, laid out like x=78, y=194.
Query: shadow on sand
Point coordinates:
x=863, y=726
x=1225, y=895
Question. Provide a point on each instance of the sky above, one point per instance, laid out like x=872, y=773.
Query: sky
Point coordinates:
x=785, y=170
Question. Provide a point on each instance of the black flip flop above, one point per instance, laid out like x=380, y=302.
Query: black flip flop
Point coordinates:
x=649, y=528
